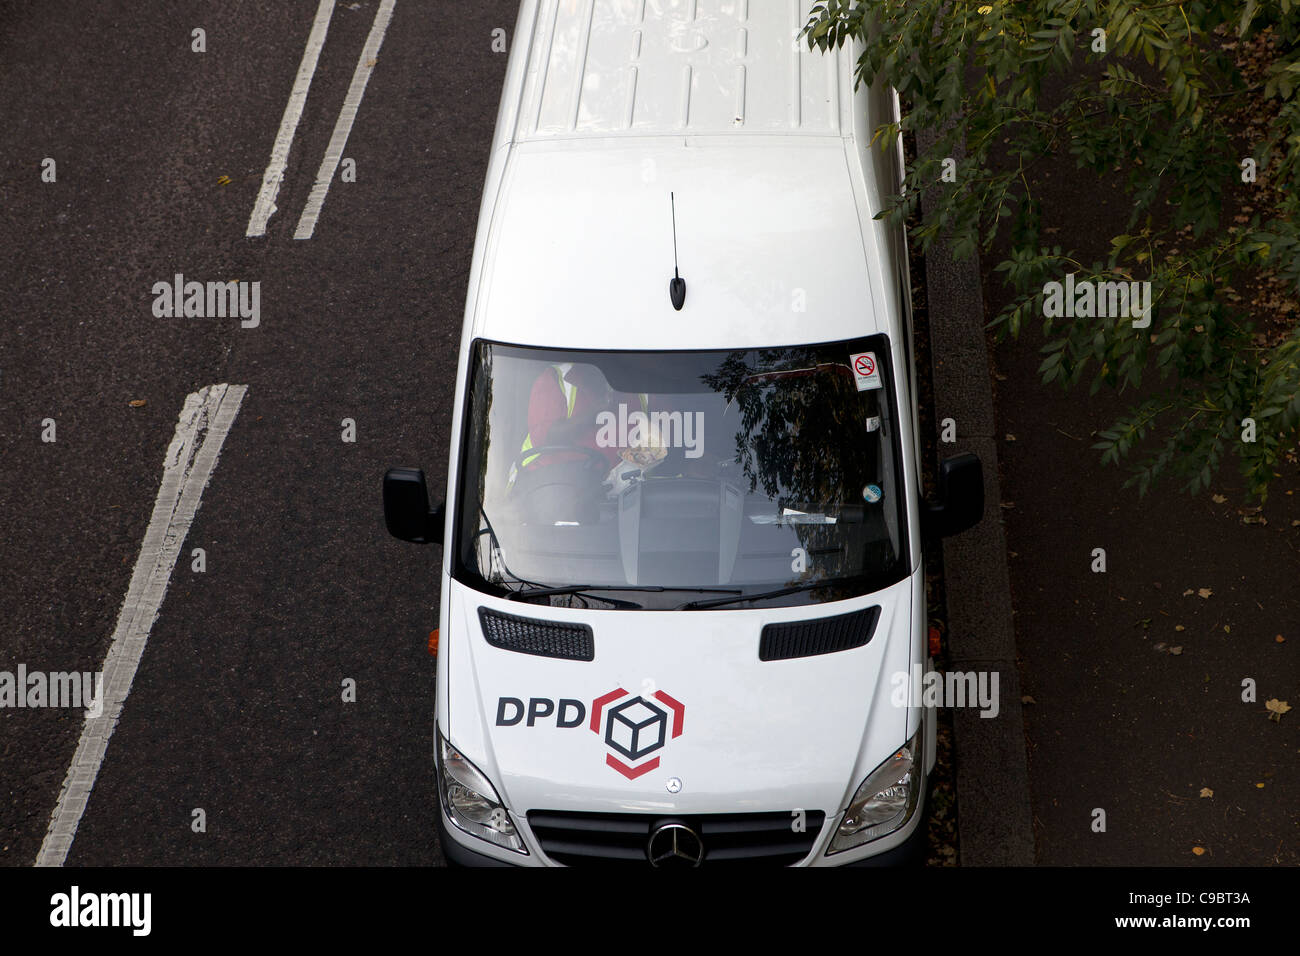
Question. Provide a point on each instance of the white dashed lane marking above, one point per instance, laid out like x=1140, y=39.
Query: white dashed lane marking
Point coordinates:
x=204, y=423
x=339, y=140
x=265, y=205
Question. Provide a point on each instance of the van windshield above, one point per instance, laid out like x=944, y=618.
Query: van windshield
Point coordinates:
x=657, y=480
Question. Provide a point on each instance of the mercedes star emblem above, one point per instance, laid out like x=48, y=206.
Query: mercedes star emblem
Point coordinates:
x=674, y=845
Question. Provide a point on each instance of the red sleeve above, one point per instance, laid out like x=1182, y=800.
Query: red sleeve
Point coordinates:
x=546, y=407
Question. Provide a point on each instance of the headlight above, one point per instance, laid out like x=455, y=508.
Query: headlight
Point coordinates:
x=886, y=800
x=471, y=802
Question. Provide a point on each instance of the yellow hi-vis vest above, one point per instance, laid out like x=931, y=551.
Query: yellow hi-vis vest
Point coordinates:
x=570, y=393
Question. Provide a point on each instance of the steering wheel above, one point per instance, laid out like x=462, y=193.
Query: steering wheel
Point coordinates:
x=595, y=456
x=563, y=491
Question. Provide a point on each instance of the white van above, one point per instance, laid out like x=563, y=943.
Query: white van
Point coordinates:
x=682, y=568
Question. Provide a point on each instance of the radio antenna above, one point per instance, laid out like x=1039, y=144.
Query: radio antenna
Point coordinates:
x=677, y=286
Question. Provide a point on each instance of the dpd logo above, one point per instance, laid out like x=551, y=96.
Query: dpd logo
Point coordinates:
x=635, y=728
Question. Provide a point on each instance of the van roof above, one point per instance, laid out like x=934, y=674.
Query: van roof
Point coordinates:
x=671, y=66
x=624, y=102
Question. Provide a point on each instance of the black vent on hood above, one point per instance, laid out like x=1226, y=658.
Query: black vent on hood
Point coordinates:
x=825, y=635
x=573, y=642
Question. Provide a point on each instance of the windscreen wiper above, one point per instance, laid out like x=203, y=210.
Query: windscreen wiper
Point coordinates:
x=760, y=596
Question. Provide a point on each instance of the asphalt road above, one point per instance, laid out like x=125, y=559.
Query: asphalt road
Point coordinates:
x=237, y=707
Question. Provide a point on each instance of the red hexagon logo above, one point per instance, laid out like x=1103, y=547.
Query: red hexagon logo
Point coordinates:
x=635, y=728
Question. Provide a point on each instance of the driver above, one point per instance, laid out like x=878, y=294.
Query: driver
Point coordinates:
x=562, y=410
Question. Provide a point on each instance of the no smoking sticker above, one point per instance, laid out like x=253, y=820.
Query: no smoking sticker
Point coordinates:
x=865, y=370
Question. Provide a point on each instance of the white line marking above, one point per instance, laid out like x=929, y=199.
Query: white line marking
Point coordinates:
x=205, y=420
x=334, y=152
x=264, y=208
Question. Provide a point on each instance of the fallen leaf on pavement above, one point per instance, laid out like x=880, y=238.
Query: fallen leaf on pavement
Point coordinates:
x=1276, y=708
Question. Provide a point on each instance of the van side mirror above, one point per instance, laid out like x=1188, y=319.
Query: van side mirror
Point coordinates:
x=406, y=507
x=960, y=503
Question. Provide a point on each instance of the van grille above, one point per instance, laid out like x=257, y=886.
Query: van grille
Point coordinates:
x=585, y=839
x=782, y=642
x=525, y=635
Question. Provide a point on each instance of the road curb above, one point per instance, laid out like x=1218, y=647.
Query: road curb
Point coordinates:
x=994, y=819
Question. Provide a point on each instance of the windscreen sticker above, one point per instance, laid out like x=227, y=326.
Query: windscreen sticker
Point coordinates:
x=865, y=370
x=872, y=493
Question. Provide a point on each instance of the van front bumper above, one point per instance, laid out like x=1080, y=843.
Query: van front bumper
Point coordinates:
x=911, y=852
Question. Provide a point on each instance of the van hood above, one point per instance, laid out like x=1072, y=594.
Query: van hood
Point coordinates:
x=676, y=712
